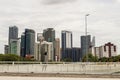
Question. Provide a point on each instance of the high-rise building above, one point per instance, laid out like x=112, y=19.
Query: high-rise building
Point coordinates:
x=85, y=45
x=40, y=39
x=6, y=49
x=15, y=46
x=49, y=36
x=22, y=51
x=28, y=43
x=68, y=54
x=47, y=51
x=57, y=49
x=75, y=54
x=13, y=34
x=92, y=47
x=93, y=42
x=66, y=38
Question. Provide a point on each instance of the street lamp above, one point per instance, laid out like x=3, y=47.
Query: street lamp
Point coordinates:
x=86, y=35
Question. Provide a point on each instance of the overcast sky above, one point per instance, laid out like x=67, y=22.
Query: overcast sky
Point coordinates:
x=103, y=22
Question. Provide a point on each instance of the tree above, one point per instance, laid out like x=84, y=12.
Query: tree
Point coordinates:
x=10, y=57
x=67, y=60
x=90, y=58
x=1, y=57
x=104, y=59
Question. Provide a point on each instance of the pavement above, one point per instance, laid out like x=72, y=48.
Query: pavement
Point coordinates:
x=52, y=78
x=60, y=75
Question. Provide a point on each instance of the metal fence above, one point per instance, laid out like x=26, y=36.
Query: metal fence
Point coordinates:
x=61, y=67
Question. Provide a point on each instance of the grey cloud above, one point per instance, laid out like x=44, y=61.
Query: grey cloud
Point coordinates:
x=51, y=2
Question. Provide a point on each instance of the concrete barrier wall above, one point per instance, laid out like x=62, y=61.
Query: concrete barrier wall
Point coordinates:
x=78, y=68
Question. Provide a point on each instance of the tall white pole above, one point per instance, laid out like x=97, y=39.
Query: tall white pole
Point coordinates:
x=86, y=36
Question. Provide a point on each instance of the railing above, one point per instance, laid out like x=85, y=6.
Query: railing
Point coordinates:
x=60, y=67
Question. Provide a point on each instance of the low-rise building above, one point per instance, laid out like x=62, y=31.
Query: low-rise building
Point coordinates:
x=107, y=50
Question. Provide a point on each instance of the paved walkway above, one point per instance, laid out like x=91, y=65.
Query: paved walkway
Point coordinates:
x=51, y=78
x=61, y=75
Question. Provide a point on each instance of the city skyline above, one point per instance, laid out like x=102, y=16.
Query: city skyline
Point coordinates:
x=103, y=22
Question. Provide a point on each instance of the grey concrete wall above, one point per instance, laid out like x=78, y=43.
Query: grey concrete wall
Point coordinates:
x=78, y=68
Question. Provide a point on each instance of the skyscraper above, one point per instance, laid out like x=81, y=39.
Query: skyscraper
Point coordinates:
x=93, y=46
x=75, y=54
x=40, y=39
x=22, y=51
x=49, y=36
x=93, y=42
x=66, y=42
x=85, y=45
x=66, y=39
x=28, y=43
x=13, y=34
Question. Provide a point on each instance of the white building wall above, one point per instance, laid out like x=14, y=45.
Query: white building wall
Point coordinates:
x=105, y=53
x=68, y=40
x=37, y=55
x=113, y=53
x=97, y=52
x=49, y=49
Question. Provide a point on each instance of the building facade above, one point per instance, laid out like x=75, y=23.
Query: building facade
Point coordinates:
x=15, y=46
x=37, y=55
x=40, y=39
x=6, y=49
x=107, y=50
x=47, y=51
x=49, y=36
x=28, y=43
x=66, y=37
x=85, y=45
x=57, y=50
x=13, y=34
x=76, y=54
x=22, y=51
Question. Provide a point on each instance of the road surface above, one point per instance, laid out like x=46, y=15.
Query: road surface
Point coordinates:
x=52, y=78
